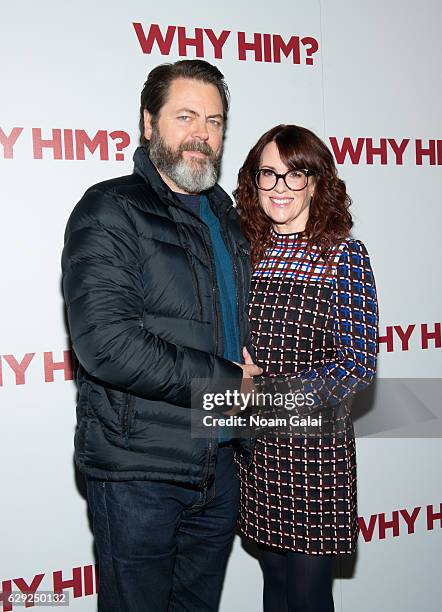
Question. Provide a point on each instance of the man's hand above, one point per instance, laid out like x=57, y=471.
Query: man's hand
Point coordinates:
x=249, y=370
x=248, y=367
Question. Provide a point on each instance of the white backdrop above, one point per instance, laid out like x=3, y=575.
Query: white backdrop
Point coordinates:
x=364, y=76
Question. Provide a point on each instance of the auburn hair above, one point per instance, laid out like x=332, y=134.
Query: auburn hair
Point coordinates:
x=329, y=218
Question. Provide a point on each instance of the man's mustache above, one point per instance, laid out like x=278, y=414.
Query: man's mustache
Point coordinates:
x=201, y=147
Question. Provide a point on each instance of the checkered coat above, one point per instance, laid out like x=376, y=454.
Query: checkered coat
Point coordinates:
x=315, y=324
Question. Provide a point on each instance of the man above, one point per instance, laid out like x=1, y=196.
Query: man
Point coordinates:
x=155, y=278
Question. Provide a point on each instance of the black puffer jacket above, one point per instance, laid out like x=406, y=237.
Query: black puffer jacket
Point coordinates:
x=144, y=317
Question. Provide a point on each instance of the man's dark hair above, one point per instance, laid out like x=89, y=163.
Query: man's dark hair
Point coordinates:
x=156, y=88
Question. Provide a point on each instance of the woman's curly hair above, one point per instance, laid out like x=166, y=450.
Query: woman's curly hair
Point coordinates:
x=329, y=219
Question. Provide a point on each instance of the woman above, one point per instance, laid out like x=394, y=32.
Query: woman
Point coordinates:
x=313, y=317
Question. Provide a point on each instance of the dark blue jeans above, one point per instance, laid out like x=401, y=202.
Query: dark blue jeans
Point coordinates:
x=164, y=547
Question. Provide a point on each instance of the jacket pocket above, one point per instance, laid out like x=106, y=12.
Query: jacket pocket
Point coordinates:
x=195, y=281
x=83, y=401
x=128, y=416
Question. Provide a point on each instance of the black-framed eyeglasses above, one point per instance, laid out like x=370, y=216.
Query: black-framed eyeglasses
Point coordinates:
x=295, y=179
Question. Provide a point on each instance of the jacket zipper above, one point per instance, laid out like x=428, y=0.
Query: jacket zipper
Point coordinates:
x=216, y=332
x=214, y=293
x=233, y=256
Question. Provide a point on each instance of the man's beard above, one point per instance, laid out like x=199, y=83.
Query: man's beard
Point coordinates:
x=194, y=175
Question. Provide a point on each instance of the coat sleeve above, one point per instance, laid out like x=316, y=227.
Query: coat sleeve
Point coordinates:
x=104, y=294
x=355, y=313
